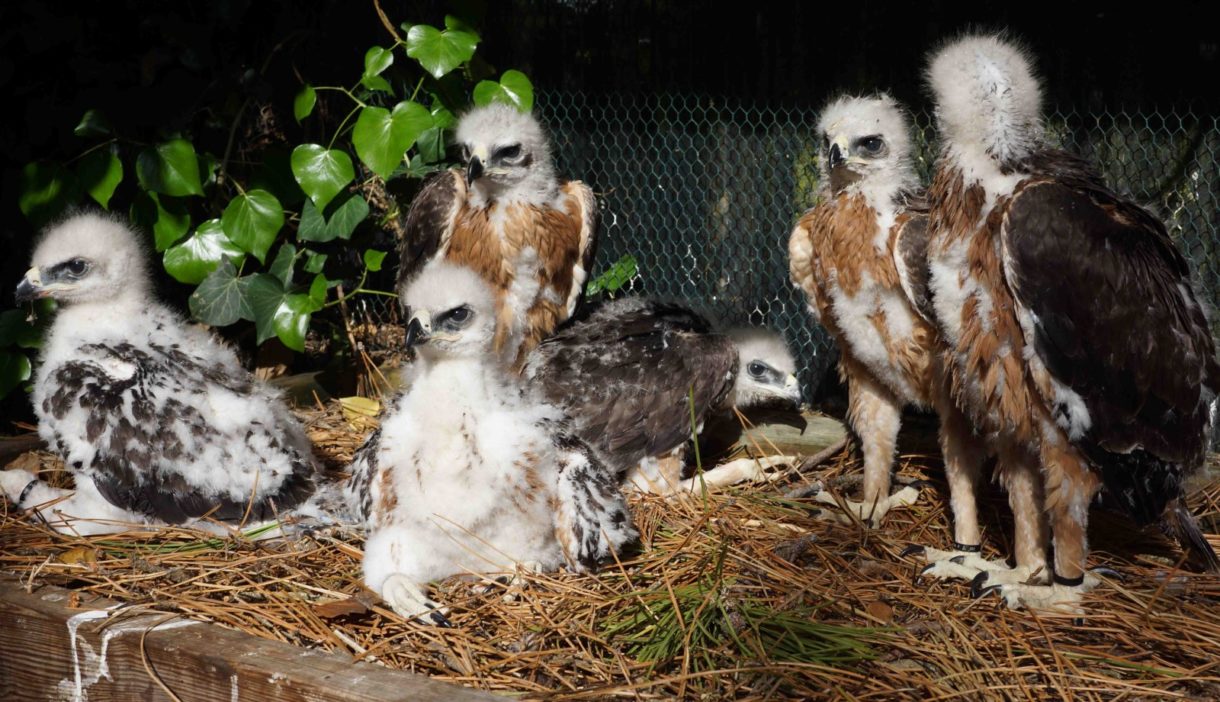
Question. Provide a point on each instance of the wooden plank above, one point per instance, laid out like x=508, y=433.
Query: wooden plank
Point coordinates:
x=50, y=651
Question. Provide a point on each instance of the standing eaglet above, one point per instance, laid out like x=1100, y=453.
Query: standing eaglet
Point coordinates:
x=155, y=418
x=506, y=213
x=1076, y=344
x=859, y=256
x=469, y=473
x=629, y=374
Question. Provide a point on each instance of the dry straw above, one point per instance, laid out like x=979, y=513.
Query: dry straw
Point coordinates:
x=741, y=594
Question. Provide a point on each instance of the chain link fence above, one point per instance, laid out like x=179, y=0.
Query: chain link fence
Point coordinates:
x=704, y=191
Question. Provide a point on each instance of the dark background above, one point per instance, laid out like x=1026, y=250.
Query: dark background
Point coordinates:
x=160, y=68
x=224, y=72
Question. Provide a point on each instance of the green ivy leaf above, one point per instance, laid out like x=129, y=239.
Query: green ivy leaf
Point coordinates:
x=513, y=89
x=382, y=137
x=376, y=60
x=321, y=172
x=166, y=217
x=252, y=220
x=440, y=52
x=314, y=261
x=14, y=370
x=303, y=103
x=92, y=124
x=317, y=290
x=279, y=313
x=614, y=277
x=373, y=259
x=221, y=299
x=100, y=172
x=345, y=214
x=171, y=168
x=193, y=260
x=47, y=189
x=281, y=265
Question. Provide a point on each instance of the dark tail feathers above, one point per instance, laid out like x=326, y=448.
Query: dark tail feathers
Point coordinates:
x=1178, y=522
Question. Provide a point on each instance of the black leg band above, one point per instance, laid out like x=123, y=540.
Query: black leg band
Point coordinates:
x=1069, y=582
x=25, y=491
x=967, y=548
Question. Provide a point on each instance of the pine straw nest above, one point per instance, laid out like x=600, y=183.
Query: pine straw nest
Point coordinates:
x=738, y=594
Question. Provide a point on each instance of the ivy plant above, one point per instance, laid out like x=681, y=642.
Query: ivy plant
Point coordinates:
x=273, y=242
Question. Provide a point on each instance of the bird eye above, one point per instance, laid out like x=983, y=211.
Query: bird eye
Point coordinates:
x=77, y=267
x=756, y=369
x=871, y=145
x=507, y=153
x=457, y=317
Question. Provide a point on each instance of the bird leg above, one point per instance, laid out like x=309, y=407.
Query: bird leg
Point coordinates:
x=736, y=471
x=1069, y=487
x=83, y=511
x=407, y=599
x=875, y=416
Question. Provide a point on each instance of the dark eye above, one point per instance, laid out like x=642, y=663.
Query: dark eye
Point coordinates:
x=756, y=369
x=507, y=153
x=457, y=317
x=77, y=267
x=871, y=145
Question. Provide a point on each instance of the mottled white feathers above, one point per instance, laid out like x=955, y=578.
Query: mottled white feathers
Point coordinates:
x=157, y=419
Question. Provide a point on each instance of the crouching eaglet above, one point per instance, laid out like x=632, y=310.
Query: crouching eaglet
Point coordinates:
x=469, y=473
x=633, y=373
x=1076, y=343
x=507, y=204
x=156, y=419
x=859, y=257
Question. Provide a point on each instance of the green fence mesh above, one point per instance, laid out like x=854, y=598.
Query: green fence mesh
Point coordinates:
x=703, y=192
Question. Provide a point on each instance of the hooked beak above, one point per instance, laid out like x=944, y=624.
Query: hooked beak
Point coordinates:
x=474, y=169
x=836, y=156
x=30, y=288
x=792, y=389
x=419, y=330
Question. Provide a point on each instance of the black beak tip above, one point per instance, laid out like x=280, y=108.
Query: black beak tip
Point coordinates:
x=836, y=156
x=474, y=169
x=25, y=292
x=415, y=334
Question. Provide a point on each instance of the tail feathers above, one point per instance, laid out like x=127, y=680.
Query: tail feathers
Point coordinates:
x=1179, y=523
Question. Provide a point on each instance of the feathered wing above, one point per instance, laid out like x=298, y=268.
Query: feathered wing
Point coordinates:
x=911, y=259
x=430, y=223
x=1118, y=328
x=591, y=520
x=627, y=377
x=145, y=425
x=800, y=262
x=588, y=214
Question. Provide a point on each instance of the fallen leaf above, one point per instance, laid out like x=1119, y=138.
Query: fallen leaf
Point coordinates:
x=79, y=555
x=881, y=611
x=359, y=407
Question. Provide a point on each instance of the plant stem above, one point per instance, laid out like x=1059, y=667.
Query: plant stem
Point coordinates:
x=343, y=124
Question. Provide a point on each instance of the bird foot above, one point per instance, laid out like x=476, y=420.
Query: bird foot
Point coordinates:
x=1054, y=598
x=741, y=470
x=14, y=482
x=870, y=513
x=969, y=565
x=406, y=598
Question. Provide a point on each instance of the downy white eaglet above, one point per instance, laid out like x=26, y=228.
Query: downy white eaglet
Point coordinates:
x=469, y=473
x=155, y=418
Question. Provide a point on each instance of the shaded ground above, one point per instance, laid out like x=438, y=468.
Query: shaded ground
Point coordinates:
x=739, y=594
